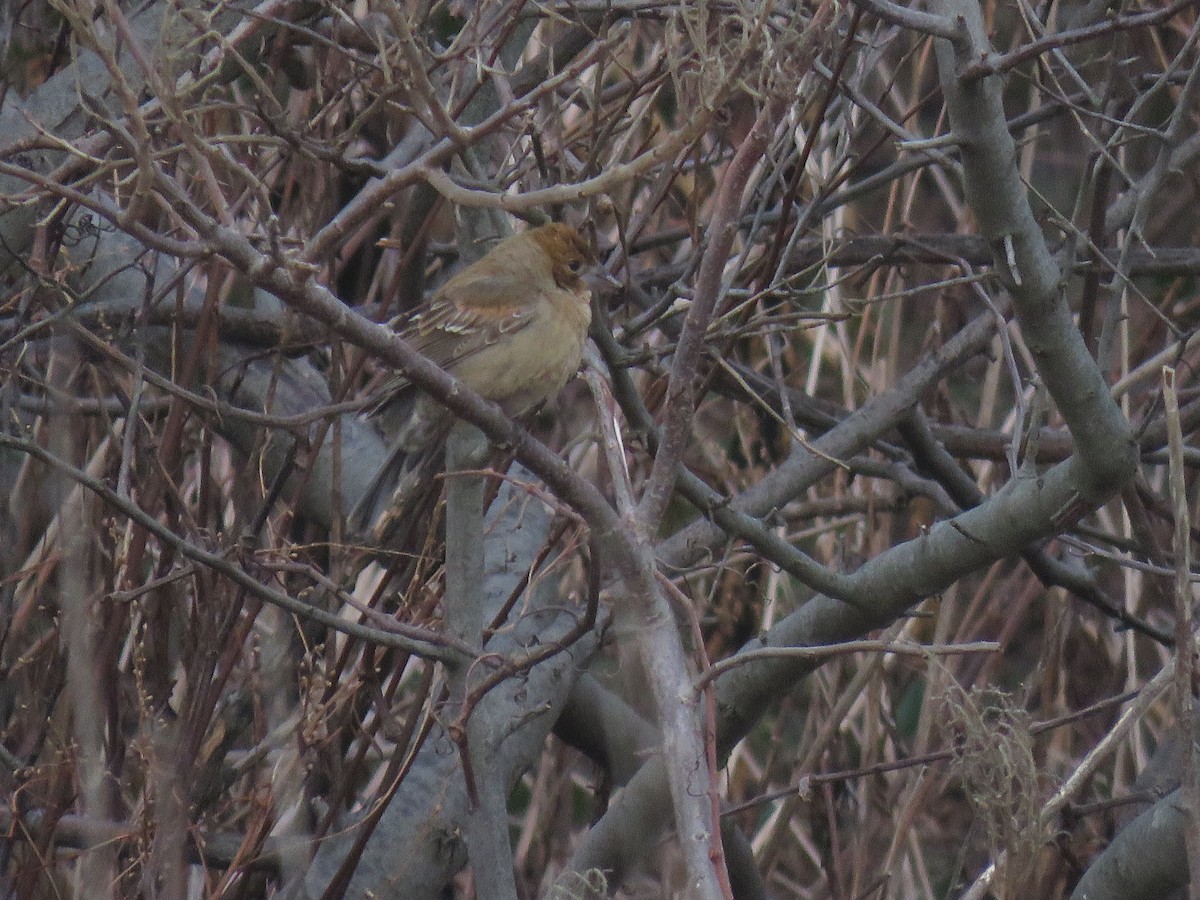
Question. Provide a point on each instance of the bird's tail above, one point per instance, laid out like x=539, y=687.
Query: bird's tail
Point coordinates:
x=398, y=498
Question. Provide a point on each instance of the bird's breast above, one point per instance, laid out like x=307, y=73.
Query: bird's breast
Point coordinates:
x=531, y=365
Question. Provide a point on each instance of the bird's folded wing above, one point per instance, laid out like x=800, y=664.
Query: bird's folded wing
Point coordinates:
x=448, y=332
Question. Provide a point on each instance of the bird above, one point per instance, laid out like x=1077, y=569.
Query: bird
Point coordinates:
x=512, y=326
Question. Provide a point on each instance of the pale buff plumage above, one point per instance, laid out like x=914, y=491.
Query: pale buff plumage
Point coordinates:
x=512, y=326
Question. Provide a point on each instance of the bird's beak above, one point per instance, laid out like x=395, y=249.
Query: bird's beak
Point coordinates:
x=600, y=282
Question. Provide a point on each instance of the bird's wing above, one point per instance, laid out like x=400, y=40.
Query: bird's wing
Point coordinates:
x=489, y=286
x=449, y=330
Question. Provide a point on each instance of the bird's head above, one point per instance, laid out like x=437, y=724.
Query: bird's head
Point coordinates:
x=569, y=255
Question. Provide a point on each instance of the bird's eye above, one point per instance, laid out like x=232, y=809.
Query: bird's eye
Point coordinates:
x=575, y=265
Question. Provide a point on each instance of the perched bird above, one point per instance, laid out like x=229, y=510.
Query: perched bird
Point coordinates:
x=512, y=326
